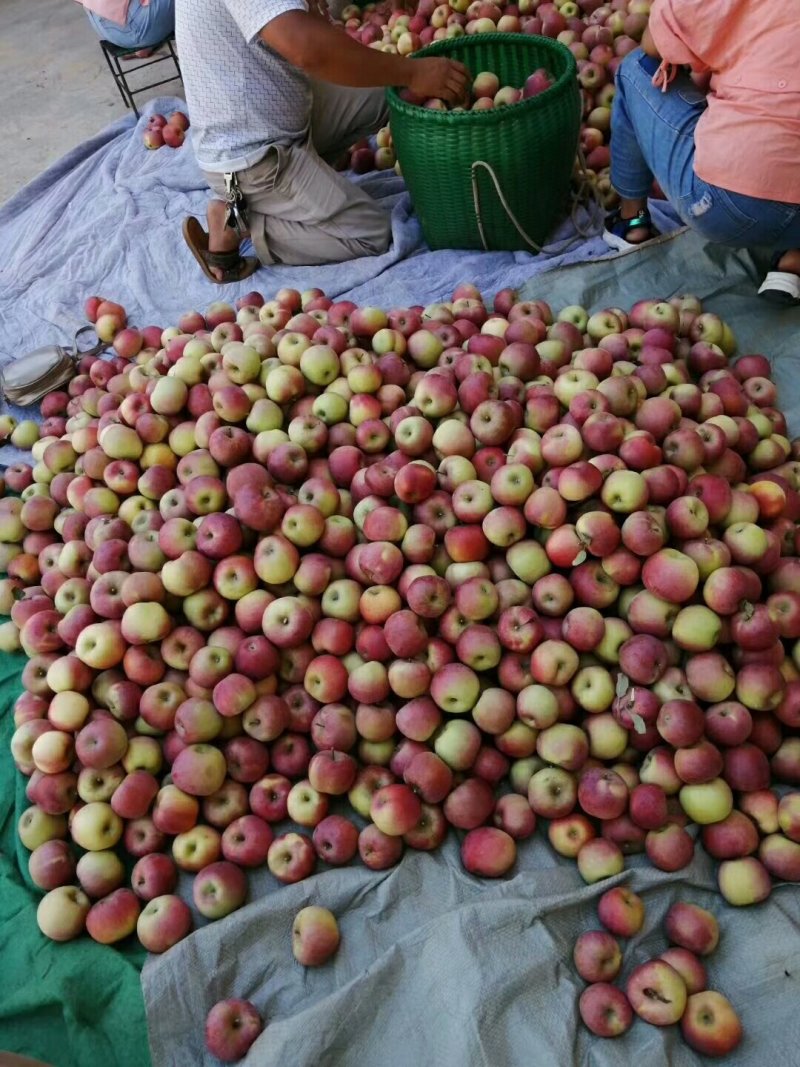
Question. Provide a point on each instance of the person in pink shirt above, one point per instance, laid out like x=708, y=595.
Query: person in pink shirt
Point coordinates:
x=710, y=107
x=132, y=23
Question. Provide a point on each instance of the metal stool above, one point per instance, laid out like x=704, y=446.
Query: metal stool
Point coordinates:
x=114, y=53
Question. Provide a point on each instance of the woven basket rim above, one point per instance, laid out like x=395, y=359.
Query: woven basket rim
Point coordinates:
x=492, y=115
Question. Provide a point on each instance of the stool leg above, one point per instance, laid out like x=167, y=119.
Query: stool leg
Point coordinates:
x=116, y=79
x=174, y=58
x=123, y=80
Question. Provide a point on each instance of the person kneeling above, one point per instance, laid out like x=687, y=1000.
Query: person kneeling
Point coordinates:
x=276, y=93
x=726, y=156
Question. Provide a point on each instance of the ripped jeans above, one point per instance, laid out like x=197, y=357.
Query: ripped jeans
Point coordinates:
x=652, y=135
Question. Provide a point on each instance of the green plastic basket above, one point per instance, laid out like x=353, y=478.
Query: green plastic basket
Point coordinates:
x=492, y=179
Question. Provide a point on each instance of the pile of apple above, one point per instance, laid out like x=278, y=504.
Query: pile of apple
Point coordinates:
x=487, y=93
x=161, y=130
x=363, y=158
x=460, y=567
x=598, y=34
x=669, y=989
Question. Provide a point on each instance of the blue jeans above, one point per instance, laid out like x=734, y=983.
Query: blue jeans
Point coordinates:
x=145, y=25
x=652, y=135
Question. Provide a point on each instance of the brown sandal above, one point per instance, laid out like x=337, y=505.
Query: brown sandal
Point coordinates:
x=235, y=268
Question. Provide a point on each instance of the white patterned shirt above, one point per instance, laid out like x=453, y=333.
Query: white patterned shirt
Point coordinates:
x=242, y=96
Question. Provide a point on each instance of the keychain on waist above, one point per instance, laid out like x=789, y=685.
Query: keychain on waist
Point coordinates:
x=236, y=218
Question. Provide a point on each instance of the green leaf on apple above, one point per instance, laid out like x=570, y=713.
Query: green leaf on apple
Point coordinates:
x=580, y=558
x=623, y=684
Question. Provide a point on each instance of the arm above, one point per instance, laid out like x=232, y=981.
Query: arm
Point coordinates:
x=649, y=45
x=326, y=54
x=682, y=33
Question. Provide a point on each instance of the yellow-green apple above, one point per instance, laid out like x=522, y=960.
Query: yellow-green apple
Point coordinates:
x=657, y=993
x=96, y=826
x=99, y=784
x=598, y=859
x=305, y=805
x=744, y=881
x=537, y=706
x=291, y=858
x=708, y=802
x=624, y=491
x=458, y=743
x=552, y=792
x=593, y=689
x=563, y=745
x=61, y=914
x=53, y=752
x=196, y=848
x=569, y=833
x=101, y=645
x=35, y=827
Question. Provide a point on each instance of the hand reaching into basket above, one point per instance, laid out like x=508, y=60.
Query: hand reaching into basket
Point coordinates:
x=446, y=79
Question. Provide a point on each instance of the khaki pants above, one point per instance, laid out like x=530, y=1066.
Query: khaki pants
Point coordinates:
x=300, y=210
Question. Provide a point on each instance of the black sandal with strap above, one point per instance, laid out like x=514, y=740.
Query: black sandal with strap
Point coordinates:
x=234, y=268
x=618, y=230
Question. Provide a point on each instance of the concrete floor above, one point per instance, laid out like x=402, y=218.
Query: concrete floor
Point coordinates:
x=55, y=86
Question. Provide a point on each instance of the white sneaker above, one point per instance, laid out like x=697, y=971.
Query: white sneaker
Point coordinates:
x=780, y=287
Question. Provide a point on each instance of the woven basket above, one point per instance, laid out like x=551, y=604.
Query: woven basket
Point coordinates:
x=493, y=179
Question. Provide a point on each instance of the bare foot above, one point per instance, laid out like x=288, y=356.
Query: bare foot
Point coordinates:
x=790, y=262
x=221, y=238
x=628, y=210
x=143, y=53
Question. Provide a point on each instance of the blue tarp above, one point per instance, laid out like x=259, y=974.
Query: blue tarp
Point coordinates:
x=107, y=219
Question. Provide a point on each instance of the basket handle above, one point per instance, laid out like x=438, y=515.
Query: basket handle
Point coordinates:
x=476, y=200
